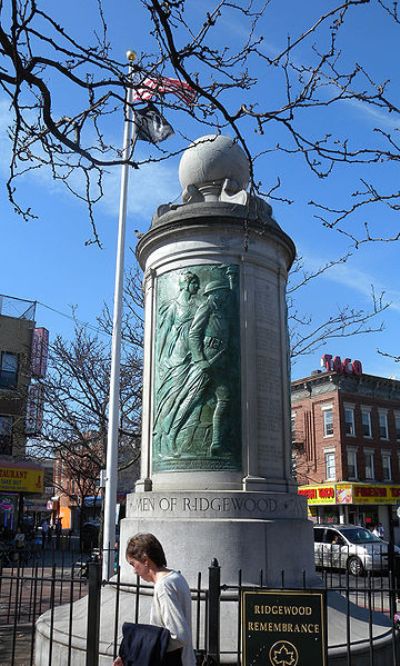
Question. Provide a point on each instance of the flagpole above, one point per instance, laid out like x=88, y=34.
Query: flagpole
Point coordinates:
x=111, y=480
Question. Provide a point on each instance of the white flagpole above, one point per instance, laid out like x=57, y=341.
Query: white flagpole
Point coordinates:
x=114, y=407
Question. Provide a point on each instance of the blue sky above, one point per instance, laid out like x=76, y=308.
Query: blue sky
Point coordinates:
x=47, y=260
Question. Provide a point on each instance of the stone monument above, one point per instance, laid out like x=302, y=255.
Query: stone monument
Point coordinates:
x=216, y=444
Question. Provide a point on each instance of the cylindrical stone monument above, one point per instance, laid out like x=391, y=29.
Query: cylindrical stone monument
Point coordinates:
x=216, y=444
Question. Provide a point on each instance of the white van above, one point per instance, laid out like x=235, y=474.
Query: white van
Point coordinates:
x=350, y=547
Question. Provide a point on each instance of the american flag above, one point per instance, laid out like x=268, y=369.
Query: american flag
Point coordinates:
x=161, y=85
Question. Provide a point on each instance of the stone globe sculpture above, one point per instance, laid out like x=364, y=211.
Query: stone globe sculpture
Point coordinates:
x=214, y=167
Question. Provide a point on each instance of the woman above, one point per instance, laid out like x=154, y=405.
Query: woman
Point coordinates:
x=171, y=605
x=174, y=363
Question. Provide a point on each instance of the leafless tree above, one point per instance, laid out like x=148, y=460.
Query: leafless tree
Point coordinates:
x=307, y=334
x=75, y=423
x=132, y=325
x=64, y=91
x=394, y=358
x=76, y=472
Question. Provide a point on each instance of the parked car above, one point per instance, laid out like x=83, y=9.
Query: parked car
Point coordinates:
x=350, y=547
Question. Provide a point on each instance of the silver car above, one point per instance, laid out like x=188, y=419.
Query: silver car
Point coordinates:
x=350, y=547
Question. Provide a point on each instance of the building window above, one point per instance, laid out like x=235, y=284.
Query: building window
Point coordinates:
x=369, y=464
x=328, y=422
x=383, y=424
x=387, y=465
x=6, y=424
x=349, y=427
x=293, y=426
x=352, y=471
x=366, y=422
x=397, y=424
x=330, y=466
x=8, y=370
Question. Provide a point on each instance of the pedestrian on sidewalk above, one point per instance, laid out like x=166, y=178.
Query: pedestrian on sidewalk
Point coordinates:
x=172, y=603
x=45, y=531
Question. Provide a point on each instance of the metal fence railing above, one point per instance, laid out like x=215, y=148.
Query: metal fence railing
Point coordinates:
x=28, y=590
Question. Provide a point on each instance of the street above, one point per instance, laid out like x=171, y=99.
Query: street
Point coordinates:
x=365, y=591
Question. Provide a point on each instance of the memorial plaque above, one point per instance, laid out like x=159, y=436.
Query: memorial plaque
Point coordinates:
x=284, y=628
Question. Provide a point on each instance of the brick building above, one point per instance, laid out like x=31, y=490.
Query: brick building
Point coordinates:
x=346, y=443
x=78, y=496
x=23, y=357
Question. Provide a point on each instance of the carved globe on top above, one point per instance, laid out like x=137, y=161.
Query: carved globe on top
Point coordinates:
x=212, y=160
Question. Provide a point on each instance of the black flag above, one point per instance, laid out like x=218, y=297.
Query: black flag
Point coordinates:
x=151, y=126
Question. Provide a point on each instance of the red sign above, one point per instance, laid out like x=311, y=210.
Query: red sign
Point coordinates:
x=314, y=493
x=345, y=367
x=40, y=352
x=370, y=491
x=310, y=493
x=319, y=494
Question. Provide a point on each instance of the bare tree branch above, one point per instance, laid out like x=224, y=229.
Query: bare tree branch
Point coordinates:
x=309, y=74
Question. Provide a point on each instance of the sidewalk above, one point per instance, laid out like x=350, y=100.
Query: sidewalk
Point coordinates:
x=22, y=646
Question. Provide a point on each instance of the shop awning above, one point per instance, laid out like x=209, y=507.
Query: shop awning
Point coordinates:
x=91, y=501
x=38, y=505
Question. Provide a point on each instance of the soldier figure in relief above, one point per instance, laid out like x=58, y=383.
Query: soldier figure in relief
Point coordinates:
x=209, y=338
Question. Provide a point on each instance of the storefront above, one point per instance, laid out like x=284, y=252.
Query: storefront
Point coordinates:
x=357, y=503
x=37, y=509
x=8, y=510
x=16, y=481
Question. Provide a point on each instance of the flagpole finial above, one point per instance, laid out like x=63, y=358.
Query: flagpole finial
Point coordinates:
x=131, y=55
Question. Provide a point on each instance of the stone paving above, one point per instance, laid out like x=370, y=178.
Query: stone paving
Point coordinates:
x=23, y=635
x=22, y=656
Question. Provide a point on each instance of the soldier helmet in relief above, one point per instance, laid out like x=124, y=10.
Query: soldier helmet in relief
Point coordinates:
x=216, y=284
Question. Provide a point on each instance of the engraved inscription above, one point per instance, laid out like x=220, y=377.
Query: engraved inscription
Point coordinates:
x=249, y=505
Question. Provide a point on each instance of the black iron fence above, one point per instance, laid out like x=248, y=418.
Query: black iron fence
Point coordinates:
x=30, y=589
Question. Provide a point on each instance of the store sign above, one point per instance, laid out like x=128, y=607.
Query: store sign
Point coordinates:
x=345, y=367
x=378, y=494
x=8, y=502
x=40, y=352
x=319, y=494
x=21, y=479
x=284, y=628
x=344, y=493
x=350, y=493
x=34, y=410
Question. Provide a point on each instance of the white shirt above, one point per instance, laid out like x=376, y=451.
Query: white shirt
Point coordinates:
x=172, y=608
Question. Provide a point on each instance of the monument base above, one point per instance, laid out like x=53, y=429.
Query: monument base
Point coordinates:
x=380, y=638
x=247, y=531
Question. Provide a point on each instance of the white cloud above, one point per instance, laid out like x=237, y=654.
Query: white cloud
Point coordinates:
x=355, y=279
x=385, y=120
x=149, y=186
